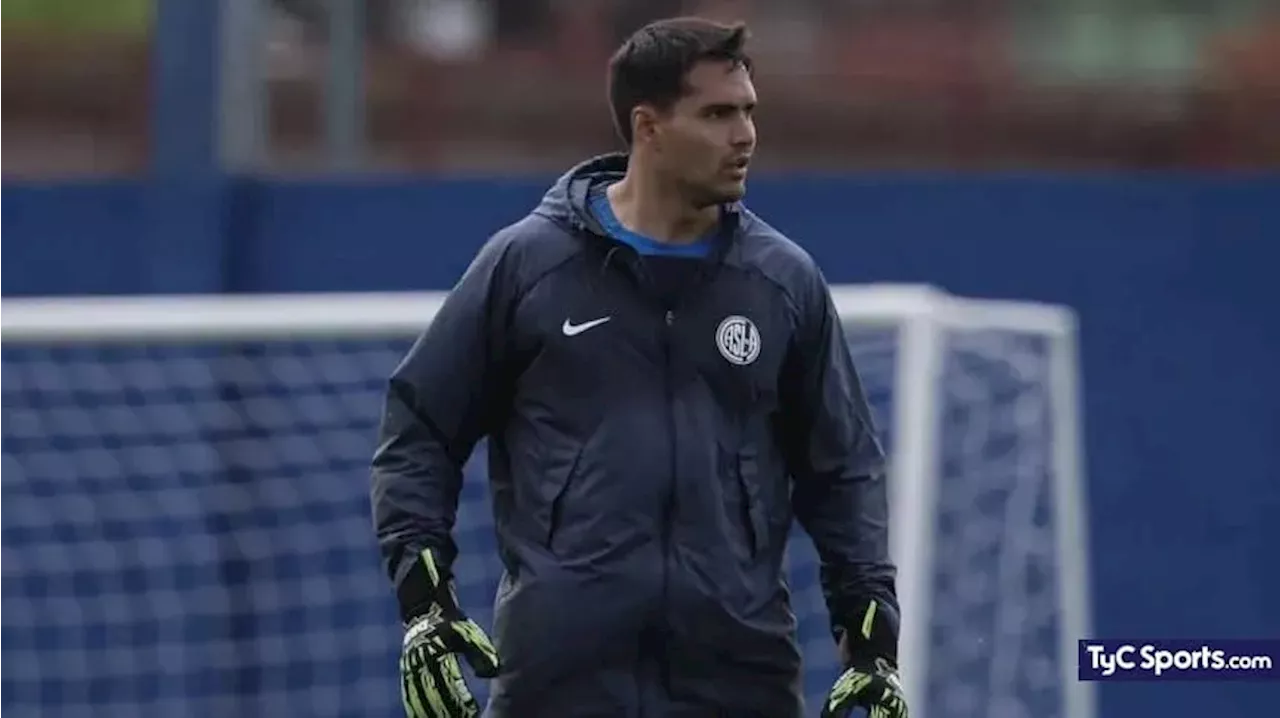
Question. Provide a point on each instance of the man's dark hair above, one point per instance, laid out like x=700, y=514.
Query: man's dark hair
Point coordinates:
x=652, y=65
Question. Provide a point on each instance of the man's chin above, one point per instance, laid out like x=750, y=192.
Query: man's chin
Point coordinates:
x=723, y=193
x=732, y=192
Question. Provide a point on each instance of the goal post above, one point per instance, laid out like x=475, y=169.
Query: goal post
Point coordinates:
x=927, y=323
x=150, y=439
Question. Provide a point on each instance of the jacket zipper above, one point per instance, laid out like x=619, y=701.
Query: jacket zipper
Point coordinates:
x=665, y=533
x=669, y=509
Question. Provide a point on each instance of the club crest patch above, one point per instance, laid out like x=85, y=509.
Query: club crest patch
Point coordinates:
x=738, y=340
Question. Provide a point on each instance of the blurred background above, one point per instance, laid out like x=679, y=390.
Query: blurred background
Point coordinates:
x=186, y=528
x=485, y=85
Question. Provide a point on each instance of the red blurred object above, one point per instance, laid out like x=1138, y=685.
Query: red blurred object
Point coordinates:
x=925, y=84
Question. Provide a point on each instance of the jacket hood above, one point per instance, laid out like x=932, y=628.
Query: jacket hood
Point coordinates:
x=565, y=202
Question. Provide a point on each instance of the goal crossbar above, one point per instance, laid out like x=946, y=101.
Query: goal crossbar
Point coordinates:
x=384, y=314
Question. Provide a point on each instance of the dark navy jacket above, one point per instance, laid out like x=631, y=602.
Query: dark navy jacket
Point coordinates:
x=647, y=459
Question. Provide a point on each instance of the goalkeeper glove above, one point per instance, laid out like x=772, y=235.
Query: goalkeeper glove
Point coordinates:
x=870, y=680
x=431, y=681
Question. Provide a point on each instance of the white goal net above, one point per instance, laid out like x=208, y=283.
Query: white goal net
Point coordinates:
x=187, y=531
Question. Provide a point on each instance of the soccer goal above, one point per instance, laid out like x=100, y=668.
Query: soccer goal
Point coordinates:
x=187, y=530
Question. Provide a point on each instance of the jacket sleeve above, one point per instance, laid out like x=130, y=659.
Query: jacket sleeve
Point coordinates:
x=838, y=470
x=444, y=396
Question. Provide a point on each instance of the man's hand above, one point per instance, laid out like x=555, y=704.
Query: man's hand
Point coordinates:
x=431, y=681
x=870, y=680
x=875, y=688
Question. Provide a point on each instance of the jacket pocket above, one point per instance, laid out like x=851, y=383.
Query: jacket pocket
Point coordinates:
x=562, y=481
x=752, y=507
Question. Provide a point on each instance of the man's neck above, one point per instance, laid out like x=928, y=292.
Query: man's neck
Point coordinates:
x=642, y=206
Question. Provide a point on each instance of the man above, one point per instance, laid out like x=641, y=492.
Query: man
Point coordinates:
x=665, y=385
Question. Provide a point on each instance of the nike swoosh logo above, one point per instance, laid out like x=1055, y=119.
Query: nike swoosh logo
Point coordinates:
x=570, y=329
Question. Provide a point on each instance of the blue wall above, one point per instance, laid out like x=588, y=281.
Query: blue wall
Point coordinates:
x=1174, y=279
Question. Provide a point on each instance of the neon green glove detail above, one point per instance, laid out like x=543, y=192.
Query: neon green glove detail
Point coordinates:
x=875, y=688
x=870, y=682
x=431, y=680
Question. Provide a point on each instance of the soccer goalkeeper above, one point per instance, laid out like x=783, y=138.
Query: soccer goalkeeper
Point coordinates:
x=665, y=384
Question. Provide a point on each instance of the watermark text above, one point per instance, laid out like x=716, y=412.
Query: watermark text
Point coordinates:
x=1179, y=660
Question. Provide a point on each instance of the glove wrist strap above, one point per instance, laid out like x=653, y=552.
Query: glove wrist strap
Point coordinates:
x=874, y=634
x=426, y=584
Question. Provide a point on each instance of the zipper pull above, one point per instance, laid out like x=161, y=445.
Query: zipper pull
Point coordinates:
x=671, y=317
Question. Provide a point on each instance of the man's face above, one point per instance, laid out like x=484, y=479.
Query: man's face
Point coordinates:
x=705, y=140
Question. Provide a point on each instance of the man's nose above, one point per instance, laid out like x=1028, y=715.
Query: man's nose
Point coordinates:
x=744, y=135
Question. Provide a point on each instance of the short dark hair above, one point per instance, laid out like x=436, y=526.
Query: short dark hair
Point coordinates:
x=652, y=65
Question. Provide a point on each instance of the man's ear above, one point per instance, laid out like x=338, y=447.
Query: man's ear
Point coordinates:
x=644, y=123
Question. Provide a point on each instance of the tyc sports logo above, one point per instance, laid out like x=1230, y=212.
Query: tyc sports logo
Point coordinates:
x=1153, y=660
